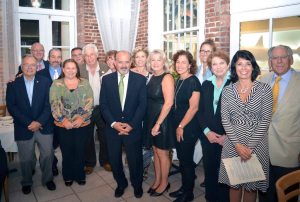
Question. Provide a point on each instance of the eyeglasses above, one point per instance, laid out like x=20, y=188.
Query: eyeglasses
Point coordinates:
x=205, y=51
x=279, y=57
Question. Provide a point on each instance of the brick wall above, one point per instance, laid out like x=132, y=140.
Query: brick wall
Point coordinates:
x=217, y=22
x=87, y=26
x=142, y=32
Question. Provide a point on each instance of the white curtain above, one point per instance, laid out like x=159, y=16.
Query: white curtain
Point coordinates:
x=117, y=22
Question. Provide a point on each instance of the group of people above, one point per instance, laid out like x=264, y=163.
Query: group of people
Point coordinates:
x=135, y=102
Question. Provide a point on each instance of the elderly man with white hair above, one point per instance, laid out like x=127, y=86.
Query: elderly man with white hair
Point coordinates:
x=93, y=70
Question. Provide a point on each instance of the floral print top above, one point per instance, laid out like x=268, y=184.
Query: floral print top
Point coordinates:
x=70, y=104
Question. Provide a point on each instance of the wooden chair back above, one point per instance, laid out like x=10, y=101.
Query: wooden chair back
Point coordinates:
x=285, y=182
x=2, y=110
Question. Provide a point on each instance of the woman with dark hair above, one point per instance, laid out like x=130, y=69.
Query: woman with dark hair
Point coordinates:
x=210, y=121
x=186, y=102
x=71, y=99
x=246, y=110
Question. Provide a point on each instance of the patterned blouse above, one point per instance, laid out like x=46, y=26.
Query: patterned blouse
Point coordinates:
x=70, y=104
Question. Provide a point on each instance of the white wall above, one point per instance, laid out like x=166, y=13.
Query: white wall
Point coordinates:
x=155, y=24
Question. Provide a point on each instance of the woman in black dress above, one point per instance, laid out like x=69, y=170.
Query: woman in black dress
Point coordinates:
x=211, y=124
x=158, y=130
x=186, y=102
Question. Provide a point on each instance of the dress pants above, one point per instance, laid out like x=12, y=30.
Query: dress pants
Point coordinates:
x=103, y=152
x=55, y=146
x=27, y=157
x=72, y=145
x=214, y=191
x=185, y=153
x=275, y=173
x=133, y=149
x=90, y=151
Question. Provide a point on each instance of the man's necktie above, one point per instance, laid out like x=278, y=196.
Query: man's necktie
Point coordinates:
x=276, y=93
x=55, y=76
x=121, y=88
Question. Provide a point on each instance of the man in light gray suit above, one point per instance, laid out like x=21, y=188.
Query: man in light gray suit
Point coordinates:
x=284, y=130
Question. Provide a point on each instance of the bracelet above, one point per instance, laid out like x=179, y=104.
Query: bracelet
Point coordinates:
x=180, y=126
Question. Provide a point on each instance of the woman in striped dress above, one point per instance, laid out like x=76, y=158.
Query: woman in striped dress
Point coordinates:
x=246, y=110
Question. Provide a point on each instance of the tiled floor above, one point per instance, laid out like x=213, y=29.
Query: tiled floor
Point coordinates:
x=100, y=186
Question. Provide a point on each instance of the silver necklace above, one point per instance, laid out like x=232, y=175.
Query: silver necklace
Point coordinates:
x=176, y=91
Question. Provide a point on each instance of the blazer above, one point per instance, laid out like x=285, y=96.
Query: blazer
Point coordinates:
x=84, y=73
x=284, y=130
x=206, y=115
x=46, y=63
x=19, y=107
x=134, y=107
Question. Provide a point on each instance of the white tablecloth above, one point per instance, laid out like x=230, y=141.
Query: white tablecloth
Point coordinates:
x=7, y=138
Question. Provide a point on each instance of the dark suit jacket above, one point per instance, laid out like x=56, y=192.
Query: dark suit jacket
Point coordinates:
x=46, y=63
x=45, y=73
x=206, y=115
x=134, y=107
x=19, y=107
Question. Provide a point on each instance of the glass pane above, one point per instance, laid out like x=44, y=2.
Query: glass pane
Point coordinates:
x=193, y=48
x=171, y=6
x=182, y=42
x=166, y=9
x=194, y=12
x=182, y=14
x=60, y=33
x=36, y=3
x=189, y=13
x=29, y=32
x=177, y=14
x=254, y=36
x=62, y=5
x=286, y=31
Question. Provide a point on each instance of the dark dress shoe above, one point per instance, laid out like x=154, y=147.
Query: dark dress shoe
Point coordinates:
x=159, y=194
x=138, y=192
x=81, y=182
x=68, y=183
x=50, y=185
x=107, y=167
x=88, y=170
x=54, y=171
x=26, y=189
x=119, y=191
x=186, y=197
x=177, y=193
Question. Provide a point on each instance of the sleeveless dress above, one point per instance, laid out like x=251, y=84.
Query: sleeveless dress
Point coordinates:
x=155, y=100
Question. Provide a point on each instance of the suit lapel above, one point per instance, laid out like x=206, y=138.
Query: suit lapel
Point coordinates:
x=115, y=89
x=36, y=90
x=23, y=91
x=129, y=89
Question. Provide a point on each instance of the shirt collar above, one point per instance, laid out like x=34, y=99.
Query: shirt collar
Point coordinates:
x=285, y=76
x=28, y=81
x=97, y=68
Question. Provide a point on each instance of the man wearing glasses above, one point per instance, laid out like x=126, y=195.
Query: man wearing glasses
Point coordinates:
x=284, y=130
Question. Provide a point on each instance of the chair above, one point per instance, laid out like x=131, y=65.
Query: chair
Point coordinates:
x=2, y=110
x=285, y=182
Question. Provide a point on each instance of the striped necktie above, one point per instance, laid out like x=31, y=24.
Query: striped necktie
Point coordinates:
x=276, y=93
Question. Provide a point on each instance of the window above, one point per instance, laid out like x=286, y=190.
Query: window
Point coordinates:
x=47, y=4
x=258, y=36
x=180, y=26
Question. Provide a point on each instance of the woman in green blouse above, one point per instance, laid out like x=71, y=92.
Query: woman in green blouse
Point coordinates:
x=71, y=99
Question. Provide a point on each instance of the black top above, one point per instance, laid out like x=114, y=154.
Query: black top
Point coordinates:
x=155, y=101
x=183, y=92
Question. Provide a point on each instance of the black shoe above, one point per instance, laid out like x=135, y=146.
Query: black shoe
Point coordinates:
x=185, y=197
x=68, y=182
x=151, y=190
x=81, y=182
x=26, y=189
x=159, y=194
x=202, y=184
x=54, y=171
x=120, y=191
x=177, y=193
x=138, y=192
x=50, y=185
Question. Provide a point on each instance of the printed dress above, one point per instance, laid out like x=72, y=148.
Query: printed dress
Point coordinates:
x=247, y=123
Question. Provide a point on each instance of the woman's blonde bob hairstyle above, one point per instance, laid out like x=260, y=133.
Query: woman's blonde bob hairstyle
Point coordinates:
x=162, y=55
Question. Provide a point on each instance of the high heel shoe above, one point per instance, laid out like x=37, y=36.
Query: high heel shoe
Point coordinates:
x=159, y=194
x=151, y=190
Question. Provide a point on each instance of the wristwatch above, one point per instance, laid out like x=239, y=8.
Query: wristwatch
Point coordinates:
x=180, y=126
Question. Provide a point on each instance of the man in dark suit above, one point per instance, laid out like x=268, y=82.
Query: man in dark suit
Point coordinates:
x=27, y=100
x=52, y=72
x=123, y=104
x=38, y=52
